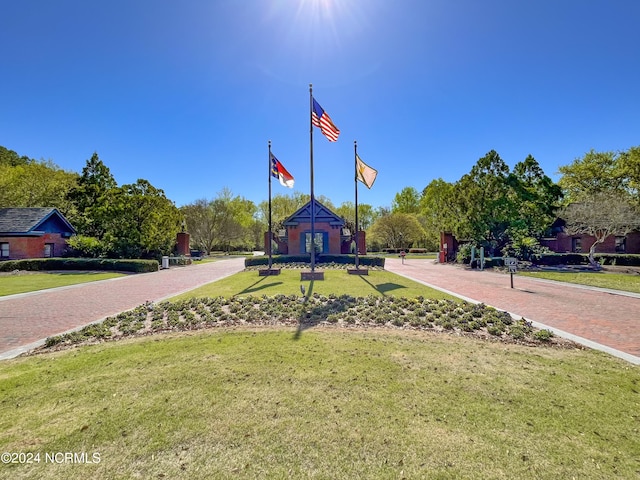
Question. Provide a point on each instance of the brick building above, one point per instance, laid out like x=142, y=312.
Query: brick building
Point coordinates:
x=33, y=233
x=331, y=235
x=560, y=242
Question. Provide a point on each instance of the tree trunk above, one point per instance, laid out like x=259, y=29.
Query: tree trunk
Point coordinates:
x=592, y=259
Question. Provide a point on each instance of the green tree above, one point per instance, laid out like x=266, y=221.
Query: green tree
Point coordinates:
x=485, y=204
x=594, y=173
x=397, y=230
x=239, y=214
x=226, y=221
x=366, y=215
x=496, y=208
x=201, y=223
x=90, y=196
x=36, y=184
x=139, y=221
x=12, y=159
x=406, y=201
x=600, y=215
x=629, y=169
x=25, y=182
x=438, y=209
x=536, y=198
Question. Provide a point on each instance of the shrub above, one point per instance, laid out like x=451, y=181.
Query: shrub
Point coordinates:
x=543, y=335
x=47, y=264
x=464, y=253
x=330, y=259
x=83, y=246
x=180, y=261
x=52, y=341
x=618, y=259
x=496, y=329
x=552, y=259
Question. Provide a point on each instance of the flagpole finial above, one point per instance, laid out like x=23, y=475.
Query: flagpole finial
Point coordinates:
x=269, y=142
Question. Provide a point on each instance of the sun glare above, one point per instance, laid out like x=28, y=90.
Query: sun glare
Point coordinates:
x=317, y=37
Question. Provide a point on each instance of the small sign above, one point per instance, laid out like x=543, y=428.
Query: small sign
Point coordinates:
x=512, y=263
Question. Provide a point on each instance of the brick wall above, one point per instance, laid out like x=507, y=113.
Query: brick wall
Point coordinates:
x=33, y=247
x=296, y=237
x=564, y=243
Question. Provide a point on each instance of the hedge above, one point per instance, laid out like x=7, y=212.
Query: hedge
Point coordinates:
x=109, y=264
x=552, y=259
x=320, y=258
x=626, y=260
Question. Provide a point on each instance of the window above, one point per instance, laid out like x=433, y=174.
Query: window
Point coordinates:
x=576, y=244
x=621, y=244
x=4, y=250
x=48, y=250
x=320, y=242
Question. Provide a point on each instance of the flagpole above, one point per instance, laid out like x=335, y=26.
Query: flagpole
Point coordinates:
x=313, y=215
x=270, y=234
x=355, y=161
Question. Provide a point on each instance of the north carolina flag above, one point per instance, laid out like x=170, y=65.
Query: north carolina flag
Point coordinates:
x=278, y=171
x=365, y=173
x=320, y=119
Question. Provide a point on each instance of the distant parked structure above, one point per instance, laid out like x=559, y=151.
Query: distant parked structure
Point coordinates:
x=33, y=233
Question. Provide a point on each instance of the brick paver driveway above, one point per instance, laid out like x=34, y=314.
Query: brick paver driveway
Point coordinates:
x=606, y=318
x=27, y=319
x=600, y=319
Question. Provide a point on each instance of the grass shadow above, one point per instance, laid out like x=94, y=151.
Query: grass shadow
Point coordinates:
x=383, y=287
x=313, y=315
x=254, y=288
x=387, y=287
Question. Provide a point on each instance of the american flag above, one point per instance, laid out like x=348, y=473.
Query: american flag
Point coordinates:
x=320, y=119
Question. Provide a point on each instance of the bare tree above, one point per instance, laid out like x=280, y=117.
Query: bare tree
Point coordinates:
x=600, y=215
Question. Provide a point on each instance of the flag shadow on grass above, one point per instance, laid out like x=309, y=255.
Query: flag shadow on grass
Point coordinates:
x=254, y=288
x=313, y=315
x=383, y=288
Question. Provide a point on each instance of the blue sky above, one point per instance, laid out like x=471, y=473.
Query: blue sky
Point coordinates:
x=186, y=94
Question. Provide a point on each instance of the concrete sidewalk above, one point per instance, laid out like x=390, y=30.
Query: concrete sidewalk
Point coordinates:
x=26, y=320
x=602, y=319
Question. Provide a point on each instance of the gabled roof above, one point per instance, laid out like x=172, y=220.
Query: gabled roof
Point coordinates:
x=31, y=220
x=322, y=215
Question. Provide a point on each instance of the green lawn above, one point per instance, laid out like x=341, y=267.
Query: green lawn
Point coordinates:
x=22, y=283
x=339, y=282
x=615, y=281
x=330, y=403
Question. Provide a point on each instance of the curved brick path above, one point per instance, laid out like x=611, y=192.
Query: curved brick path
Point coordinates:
x=606, y=320
x=27, y=319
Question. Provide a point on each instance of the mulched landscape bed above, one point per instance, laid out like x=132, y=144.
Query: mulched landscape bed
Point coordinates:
x=345, y=311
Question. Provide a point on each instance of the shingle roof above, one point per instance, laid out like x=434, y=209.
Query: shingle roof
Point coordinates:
x=24, y=220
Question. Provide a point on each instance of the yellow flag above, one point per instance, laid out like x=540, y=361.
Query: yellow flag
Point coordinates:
x=365, y=173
